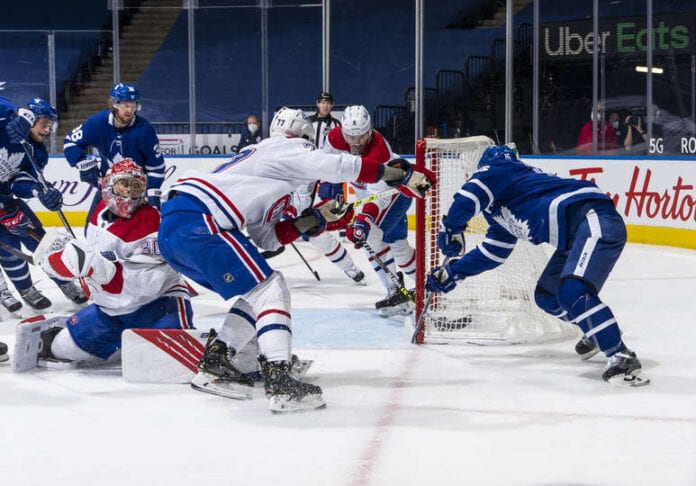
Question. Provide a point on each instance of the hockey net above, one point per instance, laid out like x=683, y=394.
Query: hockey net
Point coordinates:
x=493, y=307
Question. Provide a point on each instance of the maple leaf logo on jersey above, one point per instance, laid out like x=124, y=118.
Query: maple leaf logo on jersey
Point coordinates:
x=9, y=164
x=516, y=227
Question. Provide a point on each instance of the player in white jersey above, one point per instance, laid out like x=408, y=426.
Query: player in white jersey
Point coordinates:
x=201, y=236
x=130, y=284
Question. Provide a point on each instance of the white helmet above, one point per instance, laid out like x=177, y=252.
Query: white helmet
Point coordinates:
x=356, y=121
x=288, y=121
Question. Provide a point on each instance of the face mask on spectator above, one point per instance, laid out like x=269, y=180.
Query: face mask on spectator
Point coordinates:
x=252, y=127
x=615, y=124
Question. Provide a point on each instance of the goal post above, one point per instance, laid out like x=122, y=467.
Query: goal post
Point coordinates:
x=496, y=306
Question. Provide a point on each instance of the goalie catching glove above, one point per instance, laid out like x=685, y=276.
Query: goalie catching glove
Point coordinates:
x=443, y=279
x=314, y=221
x=76, y=260
x=416, y=181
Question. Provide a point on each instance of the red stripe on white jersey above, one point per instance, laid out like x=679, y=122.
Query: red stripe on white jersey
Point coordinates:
x=219, y=194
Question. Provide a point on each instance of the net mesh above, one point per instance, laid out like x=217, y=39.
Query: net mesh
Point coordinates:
x=496, y=306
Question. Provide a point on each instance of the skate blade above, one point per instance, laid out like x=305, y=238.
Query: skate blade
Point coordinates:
x=589, y=354
x=206, y=383
x=634, y=379
x=279, y=404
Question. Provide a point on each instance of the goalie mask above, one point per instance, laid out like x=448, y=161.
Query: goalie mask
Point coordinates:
x=356, y=127
x=123, y=188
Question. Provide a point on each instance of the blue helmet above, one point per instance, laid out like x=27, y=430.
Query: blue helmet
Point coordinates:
x=43, y=108
x=124, y=92
x=506, y=152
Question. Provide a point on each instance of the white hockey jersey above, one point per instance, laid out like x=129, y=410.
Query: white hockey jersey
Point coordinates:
x=252, y=190
x=142, y=275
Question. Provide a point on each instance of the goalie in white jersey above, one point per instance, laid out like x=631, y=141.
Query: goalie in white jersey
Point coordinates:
x=201, y=236
x=130, y=284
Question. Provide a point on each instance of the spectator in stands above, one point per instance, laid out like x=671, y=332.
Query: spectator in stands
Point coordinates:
x=617, y=124
x=606, y=135
x=636, y=139
x=113, y=135
x=251, y=133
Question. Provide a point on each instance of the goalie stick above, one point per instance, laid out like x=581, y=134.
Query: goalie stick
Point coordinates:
x=44, y=184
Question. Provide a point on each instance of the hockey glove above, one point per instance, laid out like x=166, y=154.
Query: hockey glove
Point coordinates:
x=16, y=222
x=360, y=229
x=329, y=190
x=77, y=260
x=18, y=128
x=52, y=199
x=89, y=169
x=417, y=180
x=450, y=241
x=153, y=197
x=442, y=279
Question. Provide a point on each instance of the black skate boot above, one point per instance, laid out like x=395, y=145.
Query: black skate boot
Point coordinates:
x=73, y=292
x=3, y=352
x=9, y=302
x=624, y=369
x=356, y=275
x=285, y=393
x=217, y=376
x=34, y=298
x=586, y=348
x=396, y=303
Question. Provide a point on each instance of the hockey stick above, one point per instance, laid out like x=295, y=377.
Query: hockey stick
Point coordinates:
x=426, y=306
x=394, y=279
x=314, y=272
x=374, y=197
x=17, y=253
x=44, y=184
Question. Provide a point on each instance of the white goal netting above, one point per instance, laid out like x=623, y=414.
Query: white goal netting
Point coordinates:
x=496, y=306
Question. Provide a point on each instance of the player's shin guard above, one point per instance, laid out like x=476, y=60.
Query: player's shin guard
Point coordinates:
x=593, y=316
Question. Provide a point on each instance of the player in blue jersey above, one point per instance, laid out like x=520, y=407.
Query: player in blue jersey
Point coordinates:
x=575, y=217
x=115, y=134
x=26, y=128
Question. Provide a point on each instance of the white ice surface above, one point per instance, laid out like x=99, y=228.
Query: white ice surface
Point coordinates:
x=397, y=414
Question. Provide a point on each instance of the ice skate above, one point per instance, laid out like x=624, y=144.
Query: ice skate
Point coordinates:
x=3, y=352
x=624, y=369
x=396, y=303
x=298, y=369
x=285, y=393
x=9, y=302
x=217, y=376
x=356, y=275
x=586, y=348
x=34, y=298
x=73, y=292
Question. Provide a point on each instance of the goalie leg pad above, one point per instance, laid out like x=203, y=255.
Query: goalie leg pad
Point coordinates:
x=29, y=343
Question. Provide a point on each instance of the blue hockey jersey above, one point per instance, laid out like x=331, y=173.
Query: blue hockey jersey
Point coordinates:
x=518, y=202
x=138, y=141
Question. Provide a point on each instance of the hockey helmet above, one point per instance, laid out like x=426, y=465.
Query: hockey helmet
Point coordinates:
x=123, y=188
x=125, y=92
x=507, y=152
x=356, y=127
x=291, y=122
x=43, y=109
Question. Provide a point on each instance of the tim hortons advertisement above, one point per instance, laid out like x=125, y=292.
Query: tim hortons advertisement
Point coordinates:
x=648, y=192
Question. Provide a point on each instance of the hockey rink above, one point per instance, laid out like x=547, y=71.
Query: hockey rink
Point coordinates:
x=397, y=414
